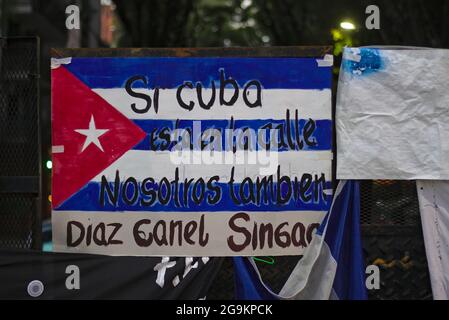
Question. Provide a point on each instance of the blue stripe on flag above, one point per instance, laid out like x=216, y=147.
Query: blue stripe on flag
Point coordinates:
x=87, y=199
x=344, y=241
x=247, y=285
x=169, y=73
x=159, y=131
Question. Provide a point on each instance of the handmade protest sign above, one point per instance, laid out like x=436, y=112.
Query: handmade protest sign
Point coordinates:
x=190, y=156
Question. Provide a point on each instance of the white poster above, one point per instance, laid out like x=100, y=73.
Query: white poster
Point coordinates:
x=169, y=156
x=434, y=208
x=392, y=115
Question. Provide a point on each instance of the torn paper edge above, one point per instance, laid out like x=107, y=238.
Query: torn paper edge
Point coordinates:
x=56, y=62
x=352, y=54
x=327, y=61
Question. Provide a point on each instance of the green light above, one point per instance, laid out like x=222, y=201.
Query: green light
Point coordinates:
x=49, y=164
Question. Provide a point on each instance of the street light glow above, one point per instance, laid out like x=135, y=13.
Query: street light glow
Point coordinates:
x=347, y=25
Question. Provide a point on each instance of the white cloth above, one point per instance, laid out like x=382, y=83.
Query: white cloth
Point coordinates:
x=434, y=208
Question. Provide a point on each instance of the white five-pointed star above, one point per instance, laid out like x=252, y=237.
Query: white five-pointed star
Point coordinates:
x=92, y=134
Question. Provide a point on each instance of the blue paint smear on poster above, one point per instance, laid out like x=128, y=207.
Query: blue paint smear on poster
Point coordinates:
x=370, y=62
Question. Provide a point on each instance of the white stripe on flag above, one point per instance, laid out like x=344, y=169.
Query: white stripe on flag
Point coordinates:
x=315, y=104
x=216, y=225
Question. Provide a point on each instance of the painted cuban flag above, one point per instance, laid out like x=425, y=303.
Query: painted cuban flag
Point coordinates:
x=122, y=186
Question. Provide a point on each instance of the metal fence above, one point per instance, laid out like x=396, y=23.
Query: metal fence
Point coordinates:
x=392, y=239
x=391, y=227
x=20, y=225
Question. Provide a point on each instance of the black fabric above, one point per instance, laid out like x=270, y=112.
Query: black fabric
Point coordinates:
x=103, y=277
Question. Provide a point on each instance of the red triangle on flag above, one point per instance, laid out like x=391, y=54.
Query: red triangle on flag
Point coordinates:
x=88, y=134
